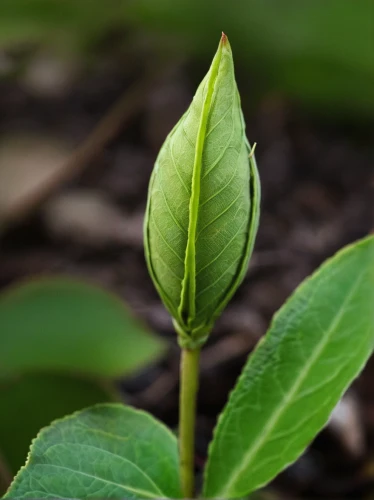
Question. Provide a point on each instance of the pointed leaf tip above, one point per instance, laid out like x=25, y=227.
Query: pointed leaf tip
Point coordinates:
x=224, y=39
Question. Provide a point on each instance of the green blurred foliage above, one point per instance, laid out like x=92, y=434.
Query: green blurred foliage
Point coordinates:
x=67, y=25
x=319, y=52
x=33, y=401
x=62, y=341
x=67, y=325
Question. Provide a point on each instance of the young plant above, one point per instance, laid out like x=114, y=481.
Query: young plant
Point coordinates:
x=201, y=222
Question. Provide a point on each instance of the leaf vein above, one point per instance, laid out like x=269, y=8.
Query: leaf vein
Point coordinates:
x=223, y=187
x=142, y=493
x=223, y=249
x=164, y=240
x=176, y=222
x=143, y=473
x=226, y=147
x=222, y=118
x=220, y=214
x=176, y=168
x=214, y=283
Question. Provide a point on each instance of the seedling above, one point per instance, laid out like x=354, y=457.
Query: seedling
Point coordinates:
x=201, y=223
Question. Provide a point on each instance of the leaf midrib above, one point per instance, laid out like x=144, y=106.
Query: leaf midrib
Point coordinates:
x=124, y=459
x=142, y=493
x=189, y=283
x=290, y=395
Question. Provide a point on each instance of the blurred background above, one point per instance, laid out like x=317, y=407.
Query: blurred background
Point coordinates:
x=88, y=92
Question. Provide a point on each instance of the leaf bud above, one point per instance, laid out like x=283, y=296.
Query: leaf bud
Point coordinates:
x=203, y=205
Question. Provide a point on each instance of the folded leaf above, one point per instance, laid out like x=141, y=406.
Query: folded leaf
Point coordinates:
x=66, y=324
x=107, y=451
x=317, y=344
x=203, y=205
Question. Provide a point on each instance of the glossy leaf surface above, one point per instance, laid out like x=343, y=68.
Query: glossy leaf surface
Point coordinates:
x=107, y=451
x=33, y=401
x=65, y=324
x=203, y=204
x=317, y=344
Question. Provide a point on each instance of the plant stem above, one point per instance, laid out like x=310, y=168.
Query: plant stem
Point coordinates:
x=189, y=382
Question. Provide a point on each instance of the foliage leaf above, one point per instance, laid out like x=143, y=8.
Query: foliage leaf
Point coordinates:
x=107, y=451
x=317, y=344
x=34, y=401
x=203, y=204
x=64, y=324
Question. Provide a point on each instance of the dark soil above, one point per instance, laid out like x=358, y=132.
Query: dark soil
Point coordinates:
x=318, y=191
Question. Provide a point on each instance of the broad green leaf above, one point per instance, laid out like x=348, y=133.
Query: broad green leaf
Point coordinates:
x=317, y=344
x=65, y=324
x=107, y=451
x=34, y=401
x=203, y=205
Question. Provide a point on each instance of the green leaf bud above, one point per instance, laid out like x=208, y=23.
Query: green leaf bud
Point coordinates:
x=203, y=205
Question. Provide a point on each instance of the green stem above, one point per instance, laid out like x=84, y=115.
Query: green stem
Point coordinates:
x=189, y=382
